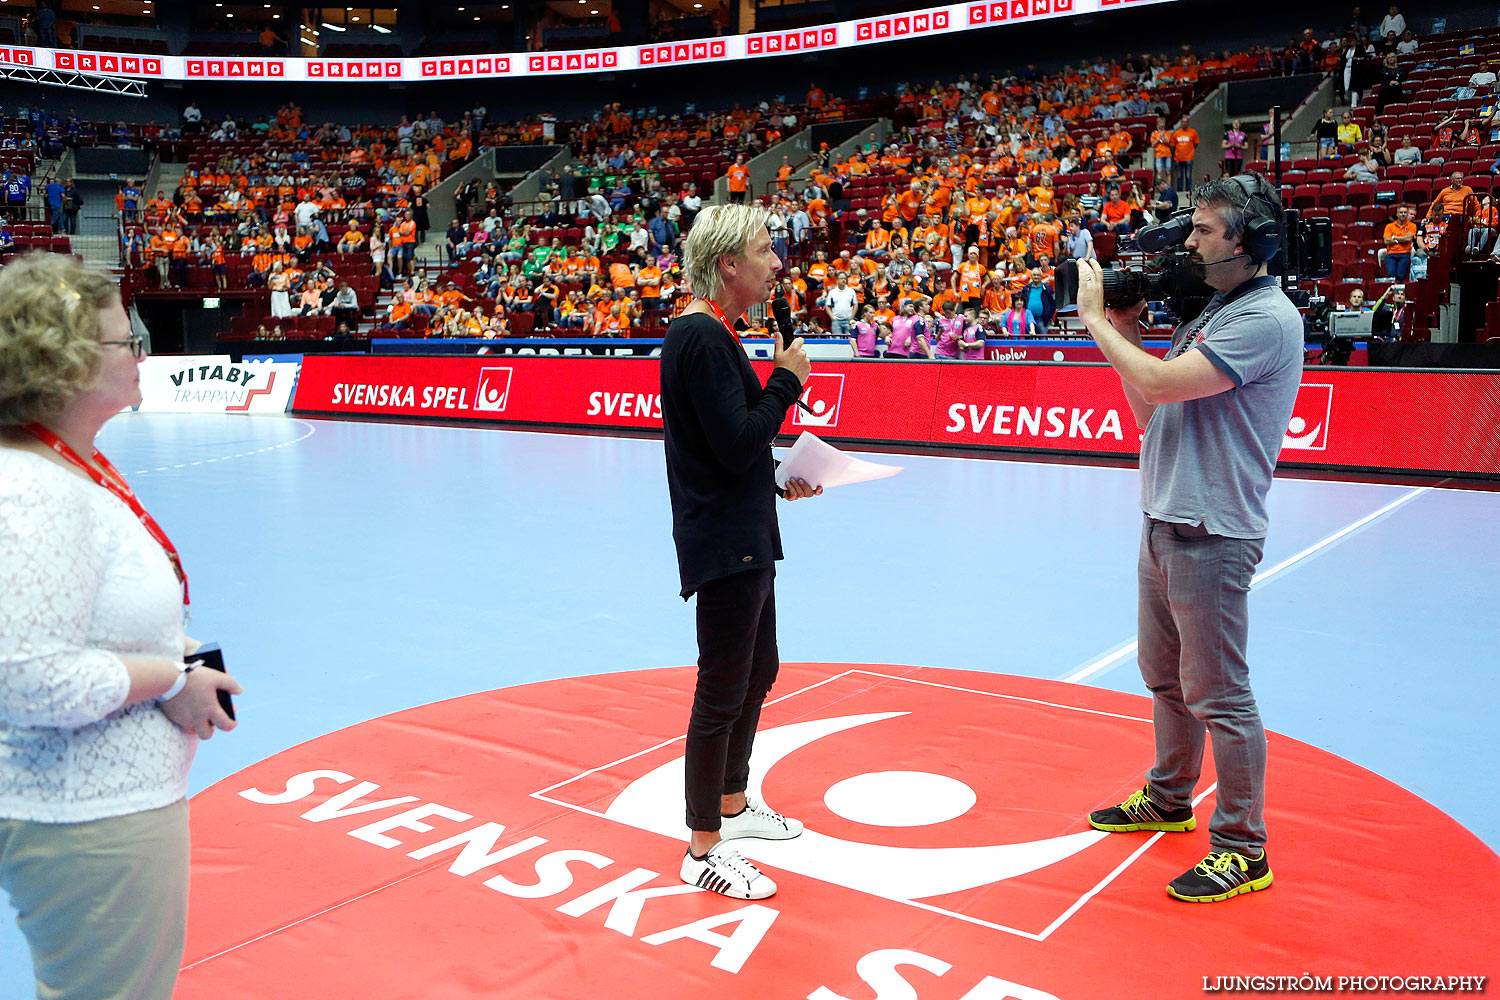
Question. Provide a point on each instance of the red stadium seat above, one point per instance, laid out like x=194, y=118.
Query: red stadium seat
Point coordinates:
x=1416, y=191
x=1305, y=195
x=1332, y=195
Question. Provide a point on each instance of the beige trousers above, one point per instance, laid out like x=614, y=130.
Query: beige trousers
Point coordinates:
x=103, y=904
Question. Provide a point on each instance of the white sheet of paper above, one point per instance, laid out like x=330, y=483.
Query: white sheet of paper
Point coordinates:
x=819, y=463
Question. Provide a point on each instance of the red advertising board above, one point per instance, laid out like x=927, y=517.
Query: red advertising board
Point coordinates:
x=1421, y=421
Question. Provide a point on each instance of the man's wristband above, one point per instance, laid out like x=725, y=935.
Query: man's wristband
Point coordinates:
x=178, y=684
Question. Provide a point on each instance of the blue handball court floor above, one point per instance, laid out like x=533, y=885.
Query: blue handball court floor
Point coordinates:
x=354, y=569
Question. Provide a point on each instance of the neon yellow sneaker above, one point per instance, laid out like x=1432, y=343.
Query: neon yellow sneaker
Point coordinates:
x=1138, y=812
x=1220, y=875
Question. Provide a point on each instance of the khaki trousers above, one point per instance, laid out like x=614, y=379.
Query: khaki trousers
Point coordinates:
x=103, y=904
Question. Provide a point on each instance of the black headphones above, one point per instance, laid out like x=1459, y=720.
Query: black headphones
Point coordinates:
x=1262, y=236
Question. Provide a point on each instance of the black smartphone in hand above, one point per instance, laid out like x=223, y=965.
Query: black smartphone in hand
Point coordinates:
x=211, y=656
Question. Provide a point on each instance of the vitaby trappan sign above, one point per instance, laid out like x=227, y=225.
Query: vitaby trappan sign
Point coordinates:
x=215, y=384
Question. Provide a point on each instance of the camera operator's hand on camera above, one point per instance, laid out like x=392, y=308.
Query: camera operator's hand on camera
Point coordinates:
x=1128, y=321
x=1090, y=292
x=196, y=709
x=792, y=357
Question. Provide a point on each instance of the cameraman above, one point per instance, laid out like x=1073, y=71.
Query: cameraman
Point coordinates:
x=1214, y=412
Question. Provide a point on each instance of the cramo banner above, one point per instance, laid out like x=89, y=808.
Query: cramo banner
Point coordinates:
x=215, y=384
x=1344, y=418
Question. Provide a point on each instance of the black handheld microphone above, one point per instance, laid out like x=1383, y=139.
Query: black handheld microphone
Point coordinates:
x=782, y=310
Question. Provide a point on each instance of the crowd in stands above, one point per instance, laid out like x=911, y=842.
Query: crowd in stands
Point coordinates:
x=967, y=209
x=956, y=220
x=1417, y=151
x=299, y=210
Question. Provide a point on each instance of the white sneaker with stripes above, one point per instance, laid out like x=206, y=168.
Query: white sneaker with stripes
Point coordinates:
x=725, y=871
x=759, y=821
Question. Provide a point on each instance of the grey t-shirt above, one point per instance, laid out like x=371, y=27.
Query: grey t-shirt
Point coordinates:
x=1209, y=461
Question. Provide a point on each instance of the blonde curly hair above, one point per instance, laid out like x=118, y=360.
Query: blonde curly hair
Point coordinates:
x=49, y=334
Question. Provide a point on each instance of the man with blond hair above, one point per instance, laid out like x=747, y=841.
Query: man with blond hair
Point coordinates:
x=720, y=422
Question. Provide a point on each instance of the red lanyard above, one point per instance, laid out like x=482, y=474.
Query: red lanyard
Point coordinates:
x=115, y=483
x=722, y=318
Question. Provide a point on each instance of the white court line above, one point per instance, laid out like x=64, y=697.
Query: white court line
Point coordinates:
x=916, y=903
x=310, y=916
x=661, y=745
x=1116, y=873
x=311, y=430
x=1123, y=652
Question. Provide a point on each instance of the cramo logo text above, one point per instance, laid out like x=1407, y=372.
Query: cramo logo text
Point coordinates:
x=1034, y=421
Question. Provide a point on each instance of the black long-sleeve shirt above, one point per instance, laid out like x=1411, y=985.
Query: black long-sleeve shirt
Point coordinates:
x=720, y=422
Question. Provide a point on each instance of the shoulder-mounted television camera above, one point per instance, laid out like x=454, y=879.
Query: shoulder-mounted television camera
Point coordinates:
x=1295, y=248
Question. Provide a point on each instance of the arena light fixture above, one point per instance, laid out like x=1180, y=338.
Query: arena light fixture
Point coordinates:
x=381, y=28
x=228, y=15
x=334, y=27
x=309, y=41
x=354, y=18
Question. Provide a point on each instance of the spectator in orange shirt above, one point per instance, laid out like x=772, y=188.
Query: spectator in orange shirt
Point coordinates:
x=1184, y=149
x=271, y=43
x=648, y=280
x=1114, y=216
x=1398, y=238
x=739, y=180
x=398, y=314
x=967, y=283
x=909, y=202
x=621, y=278
x=1450, y=200
x=997, y=293
x=1044, y=236
x=160, y=249
x=876, y=240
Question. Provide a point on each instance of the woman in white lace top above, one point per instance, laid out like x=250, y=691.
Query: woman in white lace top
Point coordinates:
x=99, y=716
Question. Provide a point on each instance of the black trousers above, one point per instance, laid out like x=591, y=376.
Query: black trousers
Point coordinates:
x=737, y=664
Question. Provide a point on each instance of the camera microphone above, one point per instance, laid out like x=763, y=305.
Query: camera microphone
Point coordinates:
x=1224, y=260
x=782, y=310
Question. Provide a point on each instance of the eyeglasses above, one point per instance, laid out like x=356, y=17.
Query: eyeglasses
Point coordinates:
x=136, y=344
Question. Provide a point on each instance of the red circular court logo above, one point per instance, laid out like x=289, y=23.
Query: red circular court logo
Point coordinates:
x=525, y=843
